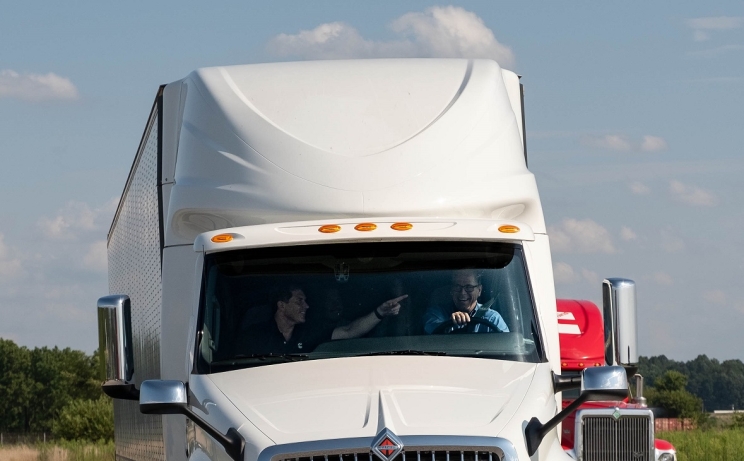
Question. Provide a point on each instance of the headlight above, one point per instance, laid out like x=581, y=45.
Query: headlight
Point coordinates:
x=666, y=457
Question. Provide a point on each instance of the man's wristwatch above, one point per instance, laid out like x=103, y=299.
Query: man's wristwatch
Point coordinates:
x=377, y=314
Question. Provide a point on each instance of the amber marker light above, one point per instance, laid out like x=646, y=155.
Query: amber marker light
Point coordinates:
x=402, y=226
x=508, y=229
x=222, y=238
x=329, y=228
x=365, y=227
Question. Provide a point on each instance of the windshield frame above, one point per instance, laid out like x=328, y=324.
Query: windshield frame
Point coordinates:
x=199, y=367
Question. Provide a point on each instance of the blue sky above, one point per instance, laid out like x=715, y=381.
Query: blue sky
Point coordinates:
x=634, y=121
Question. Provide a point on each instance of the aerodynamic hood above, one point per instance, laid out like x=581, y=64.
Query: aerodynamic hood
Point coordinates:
x=357, y=397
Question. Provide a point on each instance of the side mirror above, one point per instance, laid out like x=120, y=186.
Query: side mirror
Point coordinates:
x=621, y=329
x=597, y=383
x=603, y=383
x=163, y=397
x=168, y=397
x=115, y=347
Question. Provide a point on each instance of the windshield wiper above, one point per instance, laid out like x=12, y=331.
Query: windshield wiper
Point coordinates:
x=264, y=358
x=404, y=352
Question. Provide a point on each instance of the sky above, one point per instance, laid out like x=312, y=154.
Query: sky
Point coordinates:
x=634, y=119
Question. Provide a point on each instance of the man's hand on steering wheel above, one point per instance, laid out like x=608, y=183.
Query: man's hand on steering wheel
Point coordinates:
x=460, y=318
x=449, y=326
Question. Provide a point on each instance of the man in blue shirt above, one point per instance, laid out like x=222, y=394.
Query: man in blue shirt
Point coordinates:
x=463, y=306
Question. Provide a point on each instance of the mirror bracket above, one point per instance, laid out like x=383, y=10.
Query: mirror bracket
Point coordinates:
x=118, y=389
x=565, y=382
x=598, y=383
x=536, y=431
x=162, y=397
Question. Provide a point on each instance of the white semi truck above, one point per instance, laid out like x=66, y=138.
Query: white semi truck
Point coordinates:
x=293, y=257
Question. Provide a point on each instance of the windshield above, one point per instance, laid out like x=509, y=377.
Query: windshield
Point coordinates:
x=276, y=305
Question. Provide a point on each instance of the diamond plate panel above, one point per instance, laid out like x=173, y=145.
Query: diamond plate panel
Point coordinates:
x=134, y=252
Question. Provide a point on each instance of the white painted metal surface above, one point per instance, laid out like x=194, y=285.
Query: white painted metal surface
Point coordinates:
x=307, y=232
x=282, y=142
x=357, y=397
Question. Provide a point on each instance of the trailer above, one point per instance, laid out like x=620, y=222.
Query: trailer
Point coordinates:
x=341, y=261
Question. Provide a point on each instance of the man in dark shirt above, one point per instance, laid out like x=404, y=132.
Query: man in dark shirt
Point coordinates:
x=287, y=333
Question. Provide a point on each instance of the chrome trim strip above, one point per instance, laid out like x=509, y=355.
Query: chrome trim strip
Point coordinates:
x=411, y=443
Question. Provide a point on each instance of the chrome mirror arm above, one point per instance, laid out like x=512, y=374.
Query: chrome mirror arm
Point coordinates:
x=598, y=383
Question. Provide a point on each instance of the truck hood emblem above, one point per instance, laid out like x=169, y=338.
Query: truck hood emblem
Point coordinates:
x=386, y=445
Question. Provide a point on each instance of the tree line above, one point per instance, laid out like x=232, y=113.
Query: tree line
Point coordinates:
x=55, y=391
x=59, y=390
x=717, y=385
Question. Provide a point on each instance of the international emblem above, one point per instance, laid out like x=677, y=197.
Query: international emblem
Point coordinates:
x=386, y=445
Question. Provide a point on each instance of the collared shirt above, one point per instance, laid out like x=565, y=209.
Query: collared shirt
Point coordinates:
x=265, y=338
x=437, y=314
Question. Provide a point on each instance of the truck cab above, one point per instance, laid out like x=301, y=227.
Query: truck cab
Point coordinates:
x=293, y=256
x=582, y=339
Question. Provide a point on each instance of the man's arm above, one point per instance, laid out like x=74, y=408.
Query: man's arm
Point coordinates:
x=433, y=317
x=365, y=323
x=496, y=318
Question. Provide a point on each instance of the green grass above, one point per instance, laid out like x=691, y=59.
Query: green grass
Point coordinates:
x=59, y=451
x=707, y=445
x=77, y=451
x=697, y=445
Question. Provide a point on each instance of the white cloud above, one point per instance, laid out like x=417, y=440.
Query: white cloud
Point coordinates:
x=639, y=188
x=653, y=144
x=716, y=23
x=691, y=195
x=334, y=40
x=97, y=256
x=622, y=143
x=440, y=32
x=76, y=218
x=627, y=234
x=609, y=141
x=715, y=297
x=61, y=276
x=580, y=236
x=662, y=278
x=36, y=87
x=10, y=265
x=702, y=26
x=564, y=273
x=671, y=243
x=700, y=36
x=453, y=32
x=717, y=51
x=591, y=276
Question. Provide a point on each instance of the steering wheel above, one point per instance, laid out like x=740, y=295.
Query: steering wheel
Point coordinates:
x=449, y=326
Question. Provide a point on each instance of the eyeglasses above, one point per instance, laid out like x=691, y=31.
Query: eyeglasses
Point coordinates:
x=467, y=288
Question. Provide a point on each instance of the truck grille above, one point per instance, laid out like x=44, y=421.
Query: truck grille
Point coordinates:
x=407, y=455
x=604, y=437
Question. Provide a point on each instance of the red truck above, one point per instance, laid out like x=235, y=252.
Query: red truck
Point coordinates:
x=600, y=424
